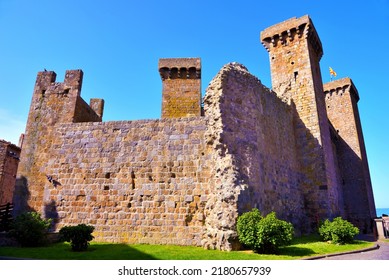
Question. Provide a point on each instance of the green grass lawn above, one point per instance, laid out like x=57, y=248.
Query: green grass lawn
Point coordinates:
x=301, y=248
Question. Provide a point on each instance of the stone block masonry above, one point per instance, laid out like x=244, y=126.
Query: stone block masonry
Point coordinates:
x=255, y=155
x=137, y=182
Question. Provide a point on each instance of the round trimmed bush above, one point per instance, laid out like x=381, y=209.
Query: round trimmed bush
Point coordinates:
x=338, y=231
x=247, y=228
x=273, y=233
x=78, y=236
x=264, y=234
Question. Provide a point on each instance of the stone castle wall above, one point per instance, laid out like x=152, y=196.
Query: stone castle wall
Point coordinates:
x=137, y=182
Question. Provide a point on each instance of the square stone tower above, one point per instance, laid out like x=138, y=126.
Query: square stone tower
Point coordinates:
x=341, y=100
x=181, y=82
x=52, y=103
x=295, y=50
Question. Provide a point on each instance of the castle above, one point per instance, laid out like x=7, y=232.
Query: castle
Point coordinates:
x=296, y=149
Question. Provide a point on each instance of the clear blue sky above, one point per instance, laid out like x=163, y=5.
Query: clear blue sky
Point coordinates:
x=118, y=43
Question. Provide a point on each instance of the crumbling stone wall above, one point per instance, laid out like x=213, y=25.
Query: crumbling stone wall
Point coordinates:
x=9, y=160
x=253, y=145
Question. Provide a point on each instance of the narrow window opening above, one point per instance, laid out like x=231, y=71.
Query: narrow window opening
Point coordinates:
x=296, y=73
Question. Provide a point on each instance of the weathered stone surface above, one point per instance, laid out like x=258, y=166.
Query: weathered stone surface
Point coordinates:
x=251, y=170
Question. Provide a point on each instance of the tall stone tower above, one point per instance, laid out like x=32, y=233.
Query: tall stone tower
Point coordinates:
x=52, y=103
x=181, y=82
x=295, y=51
x=341, y=100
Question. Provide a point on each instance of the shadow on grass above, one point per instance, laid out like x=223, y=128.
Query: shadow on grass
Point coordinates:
x=295, y=251
x=62, y=251
x=114, y=252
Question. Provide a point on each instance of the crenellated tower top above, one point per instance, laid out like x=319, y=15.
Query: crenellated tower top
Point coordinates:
x=341, y=86
x=181, y=82
x=291, y=30
x=179, y=68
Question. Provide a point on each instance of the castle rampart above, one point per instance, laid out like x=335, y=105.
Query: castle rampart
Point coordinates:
x=135, y=181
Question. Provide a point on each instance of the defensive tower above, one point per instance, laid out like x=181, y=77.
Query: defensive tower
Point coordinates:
x=181, y=82
x=52, y=103
x=295, y=51
x=341, y=100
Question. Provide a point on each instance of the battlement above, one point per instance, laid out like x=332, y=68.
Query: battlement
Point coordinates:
x=46, y=83
x=68, y=105
x=181, y=92
x=183, y=68
x=287, y=31
x=340, y=86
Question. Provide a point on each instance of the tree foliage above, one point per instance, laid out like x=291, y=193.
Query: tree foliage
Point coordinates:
x=30, y=230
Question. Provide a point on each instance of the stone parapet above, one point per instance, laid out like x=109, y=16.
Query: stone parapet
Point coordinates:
x=340, y=86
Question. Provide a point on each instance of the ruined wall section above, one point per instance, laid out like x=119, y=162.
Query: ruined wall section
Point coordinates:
x=342, y=108
x=252, y=138
x=135, y=181
x=9, y=161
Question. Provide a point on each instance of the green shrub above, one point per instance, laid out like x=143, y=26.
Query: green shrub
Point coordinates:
x=338, y=231
x=263, y=234
x=78, y=236
x=247, y=227
x=30, y=230
x=273, y=233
